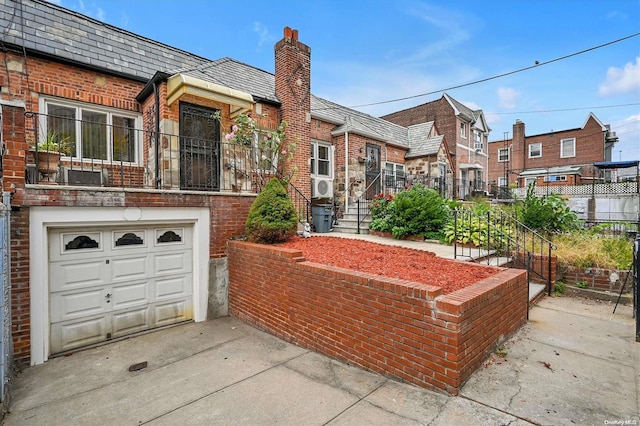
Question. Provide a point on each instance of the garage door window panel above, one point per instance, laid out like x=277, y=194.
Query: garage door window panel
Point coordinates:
x=169, y=236
x=82, y=242
x=124, y=239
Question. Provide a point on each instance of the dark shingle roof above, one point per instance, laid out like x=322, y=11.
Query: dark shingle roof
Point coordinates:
x=358, y=122
x=420, y=143
x=236, y=75
x=58, y=32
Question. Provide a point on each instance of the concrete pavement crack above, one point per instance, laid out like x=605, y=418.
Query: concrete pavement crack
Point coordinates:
x=221, y=389
x=502, y=411
x=355, y=403
x=515, y=371
x=440, y=411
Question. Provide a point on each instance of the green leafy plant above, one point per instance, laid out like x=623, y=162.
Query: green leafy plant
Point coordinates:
x=382, y=213
x=582, y=284
x=479, y=227
x=272, y=218
x=549, y=215
x=274, y=149
x=54, y=142
x=418, y=211
x=559, y=288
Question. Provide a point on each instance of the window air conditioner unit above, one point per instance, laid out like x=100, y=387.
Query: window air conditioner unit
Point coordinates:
x=321, y=188
x=82, y=177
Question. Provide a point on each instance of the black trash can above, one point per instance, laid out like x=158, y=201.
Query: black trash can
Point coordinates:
x=322, y=217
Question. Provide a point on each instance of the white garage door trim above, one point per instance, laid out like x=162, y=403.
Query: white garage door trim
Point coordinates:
x=43, y=218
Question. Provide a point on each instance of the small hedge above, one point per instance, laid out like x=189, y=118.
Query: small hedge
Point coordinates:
x=417, y=211
x=272, y=218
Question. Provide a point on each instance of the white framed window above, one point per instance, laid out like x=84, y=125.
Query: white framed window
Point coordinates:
x=529, y=181
x=91, y=132
x=477, y=140
x=463, y=130
x=568, y=148
x=478, y=176
x=394, y=174
x=535, y=150
x=502, y=182
x=503, y=155
x=321, y=159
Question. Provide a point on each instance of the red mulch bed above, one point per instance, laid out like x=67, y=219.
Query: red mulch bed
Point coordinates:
x=389, y=261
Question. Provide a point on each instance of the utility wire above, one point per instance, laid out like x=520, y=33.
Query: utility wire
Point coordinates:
x=536, y=65
x=563, y=109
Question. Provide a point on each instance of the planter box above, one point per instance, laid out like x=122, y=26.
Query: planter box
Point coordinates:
x=402, y=329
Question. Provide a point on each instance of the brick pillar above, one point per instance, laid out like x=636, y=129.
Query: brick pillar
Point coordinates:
x=15, y=149
x=293, y=88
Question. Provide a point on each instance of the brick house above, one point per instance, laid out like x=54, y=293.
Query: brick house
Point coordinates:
x=129, y=231
x=372, y=155
x=466, y=134
x=563, y=157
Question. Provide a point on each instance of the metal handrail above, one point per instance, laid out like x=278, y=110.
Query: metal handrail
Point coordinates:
x=523, y=242
x=338, y=196
x=364, y=205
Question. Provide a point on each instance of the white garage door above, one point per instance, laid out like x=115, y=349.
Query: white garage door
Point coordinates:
x=109, y=282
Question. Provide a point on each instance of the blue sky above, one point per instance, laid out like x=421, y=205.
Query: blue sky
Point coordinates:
x=372, y=51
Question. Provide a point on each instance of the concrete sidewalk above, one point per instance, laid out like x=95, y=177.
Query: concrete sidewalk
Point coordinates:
x=225, y=372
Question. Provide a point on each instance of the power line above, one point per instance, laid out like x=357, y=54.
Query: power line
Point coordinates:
x=536, y=65
x=563, y=109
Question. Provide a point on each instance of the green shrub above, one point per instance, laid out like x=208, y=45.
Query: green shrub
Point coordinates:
x=549, y=215
x=418, y=211
x=582, y=284
x=382, y=213
x=474, y=228
x=272, y=217
x=559, y=288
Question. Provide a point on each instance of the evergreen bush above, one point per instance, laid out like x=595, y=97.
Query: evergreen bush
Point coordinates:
x=272, y=218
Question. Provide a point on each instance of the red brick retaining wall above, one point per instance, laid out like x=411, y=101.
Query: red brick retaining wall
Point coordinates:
x=404, y=330
x=596, y=278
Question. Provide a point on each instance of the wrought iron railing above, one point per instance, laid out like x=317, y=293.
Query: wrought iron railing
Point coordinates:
x=500, y=234
x=500, y=192
x=102, y=154
x=625, y=228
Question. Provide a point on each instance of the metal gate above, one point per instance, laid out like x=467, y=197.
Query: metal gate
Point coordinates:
x=6, y=345
x=199, y=148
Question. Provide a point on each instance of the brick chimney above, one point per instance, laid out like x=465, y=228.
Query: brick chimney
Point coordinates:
x=293, y=88
x=518, y=148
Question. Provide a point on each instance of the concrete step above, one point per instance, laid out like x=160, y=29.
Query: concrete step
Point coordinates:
x=495, y=261
x=536, y=292
x=350, y=230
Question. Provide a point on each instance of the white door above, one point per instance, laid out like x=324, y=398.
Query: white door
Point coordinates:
x=109, y=282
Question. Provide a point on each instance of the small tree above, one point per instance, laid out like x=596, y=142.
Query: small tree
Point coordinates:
x=272, y=218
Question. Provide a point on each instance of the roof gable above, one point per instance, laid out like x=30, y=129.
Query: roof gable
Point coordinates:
x=422, y=141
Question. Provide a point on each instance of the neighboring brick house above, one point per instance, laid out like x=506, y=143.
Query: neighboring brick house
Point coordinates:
x=131, y=234
x=466, y=133
x=561, y=157
x=373, y=155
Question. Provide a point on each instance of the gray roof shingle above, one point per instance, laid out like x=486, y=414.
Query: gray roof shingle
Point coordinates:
x=69, y=35
x=52, y=30
x=420, y=143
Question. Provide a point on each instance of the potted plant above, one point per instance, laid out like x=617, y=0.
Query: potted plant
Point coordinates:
x=47, y=155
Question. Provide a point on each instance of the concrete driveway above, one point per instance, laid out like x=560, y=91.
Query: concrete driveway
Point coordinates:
x=225, y=372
